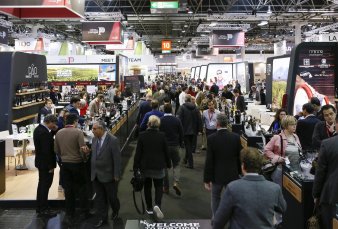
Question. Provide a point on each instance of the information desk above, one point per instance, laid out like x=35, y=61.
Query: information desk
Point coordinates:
x=169, y=224
x=298, y=196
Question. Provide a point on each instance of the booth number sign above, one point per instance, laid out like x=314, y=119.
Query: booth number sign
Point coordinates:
x=166, y=45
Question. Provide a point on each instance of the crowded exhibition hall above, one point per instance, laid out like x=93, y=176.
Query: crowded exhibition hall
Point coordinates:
x=168, y=114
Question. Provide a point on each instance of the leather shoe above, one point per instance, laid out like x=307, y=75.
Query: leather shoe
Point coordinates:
x=177, y=189
x=166, y=190
x=99, y=223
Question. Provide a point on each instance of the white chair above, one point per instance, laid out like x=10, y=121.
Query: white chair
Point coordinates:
x=10, y=150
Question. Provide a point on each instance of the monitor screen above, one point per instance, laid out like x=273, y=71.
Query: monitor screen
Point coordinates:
x=315, y=76
x=219, y=73
x=197, y=72
x=192, y=73
x=203, y=72
x=280, y=69
x=87, y=72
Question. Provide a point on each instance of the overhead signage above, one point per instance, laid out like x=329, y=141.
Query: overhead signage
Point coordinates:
x=37, y=9
x=32, y=45
x=206, y=50
x=164, y=5
x=3, y=35
x=227, y=38
x=158, y=7
x=128, y=44
x=280, y=48
x=166, y=45
x=103, y=32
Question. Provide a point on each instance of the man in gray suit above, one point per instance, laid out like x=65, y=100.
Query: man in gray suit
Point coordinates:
x=250, y=202
x=105, y=172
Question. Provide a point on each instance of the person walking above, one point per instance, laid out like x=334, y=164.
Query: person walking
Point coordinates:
x=172, y=127
x=251, y=201
x=222, y=164
x=209, y=118
x=154, y=111
x=152, y=158
x=105, y=172
x=45, y=162
x=71, y=148
x=192, y=124
x=325, y=186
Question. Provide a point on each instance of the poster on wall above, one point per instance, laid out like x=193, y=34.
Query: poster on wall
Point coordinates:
x=203, y=72
x=90, y=72
x=133, y=82
x=259, y=72
x=315, y=76
x=241, y=73
x=221, y=74
x=280, y=69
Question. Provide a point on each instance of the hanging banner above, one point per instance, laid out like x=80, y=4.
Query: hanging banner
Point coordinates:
x=206, y=50
x=36, y=9
x=279, y=48
x=227, y=38
x=3, y=35
x=102, y=32
x=128, y=44
x=32, y=45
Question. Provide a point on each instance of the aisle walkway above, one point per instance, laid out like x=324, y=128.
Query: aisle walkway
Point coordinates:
x=193, y=204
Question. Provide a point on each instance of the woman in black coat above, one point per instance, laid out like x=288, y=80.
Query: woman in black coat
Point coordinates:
x=152, y=158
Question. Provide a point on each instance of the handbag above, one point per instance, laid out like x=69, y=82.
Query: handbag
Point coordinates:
x=313, y=222
x=137, y=181
x=268, y=167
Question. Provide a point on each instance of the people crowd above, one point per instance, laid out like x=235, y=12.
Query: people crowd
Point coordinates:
x=175, y=113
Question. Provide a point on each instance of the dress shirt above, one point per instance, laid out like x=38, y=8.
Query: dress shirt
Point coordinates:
x=210, y=119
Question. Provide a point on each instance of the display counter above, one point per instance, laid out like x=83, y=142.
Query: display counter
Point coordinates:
x=297, y=192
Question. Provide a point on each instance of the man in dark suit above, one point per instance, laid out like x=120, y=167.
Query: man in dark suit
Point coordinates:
x=73, y=107
x=324, y=129
x=325, y=186
x=46, y=110
x=192, y=124
x=306, y=126
x=45, y=161
x=238, y=101
x=222, y=163
x=250, y=202
x=105, y=172
x=145, y=107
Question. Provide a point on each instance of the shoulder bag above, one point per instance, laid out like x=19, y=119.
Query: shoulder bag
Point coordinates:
x=137, y=182
x=268, y=167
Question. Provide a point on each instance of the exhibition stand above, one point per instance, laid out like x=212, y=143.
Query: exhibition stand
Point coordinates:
x=297, y=192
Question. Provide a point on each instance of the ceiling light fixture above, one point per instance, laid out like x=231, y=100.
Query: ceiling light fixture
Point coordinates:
x=190, y=11
x=185, y=26
x=213, y=24
x=269, y=10
x=183, y=31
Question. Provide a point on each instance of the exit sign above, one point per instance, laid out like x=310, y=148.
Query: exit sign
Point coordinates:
x=166, y=45
x=164, y=5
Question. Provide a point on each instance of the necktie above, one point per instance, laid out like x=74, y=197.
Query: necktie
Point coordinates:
x=98, y=147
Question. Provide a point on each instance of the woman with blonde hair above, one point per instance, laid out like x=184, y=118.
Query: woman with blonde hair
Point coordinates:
x=284, y=148
x=151, y=158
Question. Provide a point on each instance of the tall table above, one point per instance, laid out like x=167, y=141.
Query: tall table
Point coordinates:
x=21, y=137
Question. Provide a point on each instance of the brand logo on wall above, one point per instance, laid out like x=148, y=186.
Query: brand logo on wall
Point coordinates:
x=32, y=72
x=98, y=31
x=226, y=38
